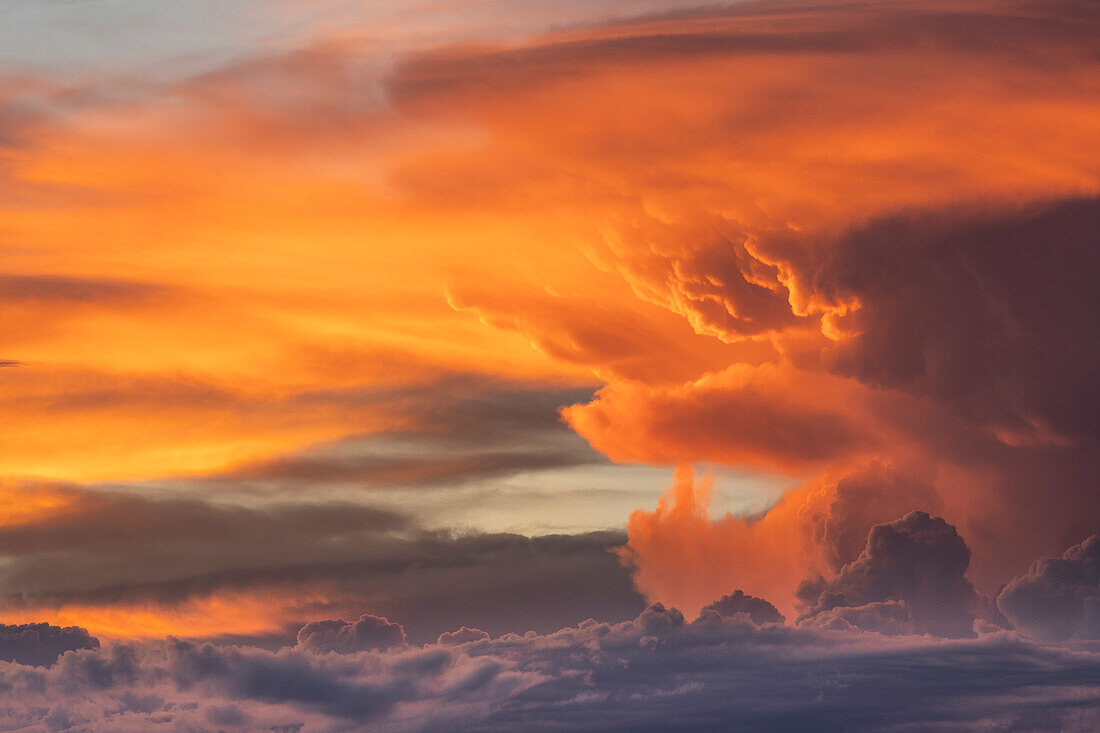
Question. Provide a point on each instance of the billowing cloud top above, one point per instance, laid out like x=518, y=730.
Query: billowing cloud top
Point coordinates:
x=347, y=346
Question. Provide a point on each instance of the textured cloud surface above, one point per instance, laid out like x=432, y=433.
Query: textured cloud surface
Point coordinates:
x=41, y=644
x=1059, y=598
x=654, y=672
x=346, y=348
x=918, y=559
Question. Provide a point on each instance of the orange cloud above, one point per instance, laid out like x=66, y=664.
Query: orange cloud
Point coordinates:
x=785, y=237
x=771, y=417
x=228, y=613
x=684, y=557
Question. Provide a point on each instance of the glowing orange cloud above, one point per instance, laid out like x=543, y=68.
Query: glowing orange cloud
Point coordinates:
x=277, y=227
x=684, y=557
x=769, y=417
x=205, y=273
x=251, y=612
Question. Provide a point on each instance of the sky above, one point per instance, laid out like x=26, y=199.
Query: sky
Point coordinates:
x=617, y=365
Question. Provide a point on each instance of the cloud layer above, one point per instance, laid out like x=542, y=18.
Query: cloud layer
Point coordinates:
x=650, y=673
x=292, y=328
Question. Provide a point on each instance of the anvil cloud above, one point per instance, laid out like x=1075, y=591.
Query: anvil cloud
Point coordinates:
x=347, y=349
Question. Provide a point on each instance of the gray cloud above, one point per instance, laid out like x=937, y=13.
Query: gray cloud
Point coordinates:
x=757, y=609
x=918, y=559
x=41, y=644
x=871, y=495
x=345, y=637
x=71, y=291
x=463, y=635
x=891, y=618
x=653, y=673
x=119, y=549
x=984, y=311
x=985, y=315
x=1058, y=598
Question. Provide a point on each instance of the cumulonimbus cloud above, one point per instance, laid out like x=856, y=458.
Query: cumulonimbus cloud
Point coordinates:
x=849, y=243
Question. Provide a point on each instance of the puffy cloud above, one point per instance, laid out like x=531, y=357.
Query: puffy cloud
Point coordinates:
x=1058, y=598
x=837, y=530
x=41, y=644
x=369, y=688
x=751, y=194
x=653, y=672
x=918, y=559
x=958, y=363
x=891, y=248
x=345, y=637
x=463, y=635
x=682, y=557
x=891, y=618
x=757, y=609
x=846, y=511
x=748, y=204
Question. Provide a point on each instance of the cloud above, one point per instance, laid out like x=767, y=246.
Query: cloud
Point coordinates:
x=873, y=494
x=915, y=566
x=681, y=556
x=747, y=206
x=459, y=425
x=610, y=331
x=891, y=618
x=41, y=644
x=761, y=417
x=918, y=559
x=703, y=34
x=831, y=185
x=128, y=561
x=807, y=237
x=75, y=291
x=982, y=311
x=463, y=635
x=345, y=637
x=947, y=367
x=653, y=672
x=1058, y=598
x=757, y=609
x=458, y=429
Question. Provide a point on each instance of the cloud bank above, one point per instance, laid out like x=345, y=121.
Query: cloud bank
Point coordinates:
x=846, y=244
